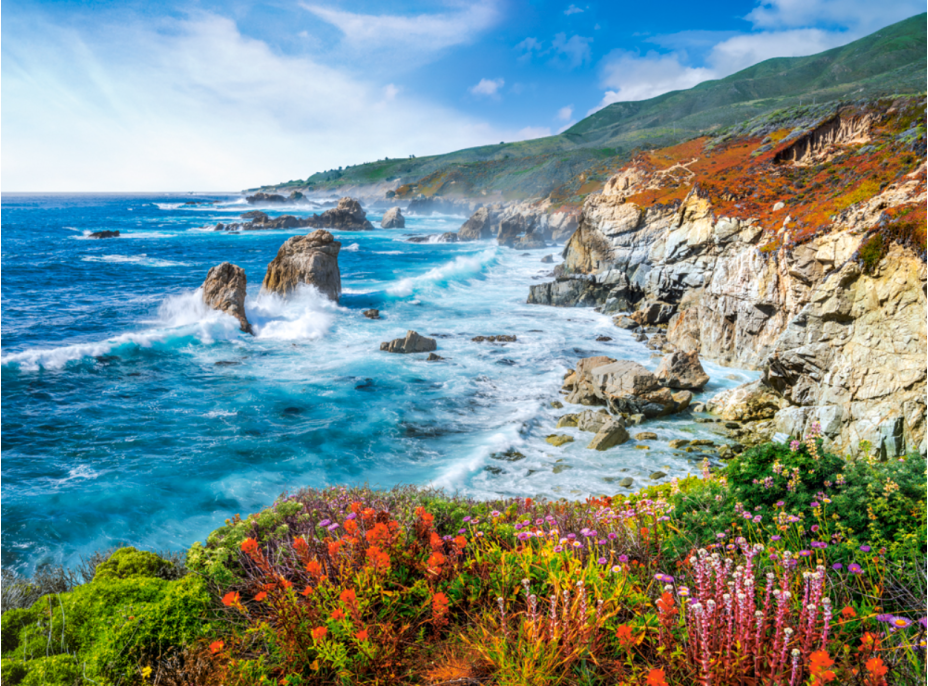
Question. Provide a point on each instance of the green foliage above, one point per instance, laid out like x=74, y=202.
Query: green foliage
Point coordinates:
x=110, y=628
x=125, y=563
x=871, y=252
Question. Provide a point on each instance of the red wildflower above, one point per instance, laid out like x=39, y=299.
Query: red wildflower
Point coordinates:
x=877, y=671
x=348, y=597
x=426, y=517
x=379, y=559
x=819, y=664
x=656, y=678
x=284, y=584
x=624, y=634
x=436, y=560
x=231, y=599
x=334, y=547
x=308, y=591
x=361, y=635
x=460, y=542
x=439, y=609
x=848, y=612
x=436, y=542
x=338, y=614
x=250, y=546
x=314, y=568
x=216, y=646
x=319, y=633
x=382, y=534
x=261, y=596
x=351, y=526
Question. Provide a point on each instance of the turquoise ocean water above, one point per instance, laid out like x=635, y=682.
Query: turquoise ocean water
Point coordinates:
x=133, y=415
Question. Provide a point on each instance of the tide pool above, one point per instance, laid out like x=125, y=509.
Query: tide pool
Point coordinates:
x=134, y=415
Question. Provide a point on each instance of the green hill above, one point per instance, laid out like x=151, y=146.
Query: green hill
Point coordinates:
x=890, y=61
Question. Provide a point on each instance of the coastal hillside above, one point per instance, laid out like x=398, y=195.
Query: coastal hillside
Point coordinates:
x=577, y=162
x=793, y=244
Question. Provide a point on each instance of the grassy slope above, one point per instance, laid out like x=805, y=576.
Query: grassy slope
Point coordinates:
x=891, y=60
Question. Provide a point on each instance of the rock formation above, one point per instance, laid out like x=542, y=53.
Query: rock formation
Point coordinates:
x=347, y=216
x=265, y=199
x=393, y=219
x=224, y=290
x=104, y=234
x=310, y=259
x=682, y=370
x=412, y=343
x=750, y=267
x=478, y=227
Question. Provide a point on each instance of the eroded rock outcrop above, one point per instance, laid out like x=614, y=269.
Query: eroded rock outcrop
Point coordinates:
x=310, y=259
x=348, y=215
x=224, y=290
x=747, y=268
x=393, y=219
x=682, y=370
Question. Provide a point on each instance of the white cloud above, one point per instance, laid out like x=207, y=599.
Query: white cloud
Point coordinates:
x=571, y=52
x=488, y=87
x=567, y=126
x=859, y=16
x=528, y=48
x=530, y=132
x=191, y=104
x=740, y=52
x=407, y=40
x=631, y=76
x=565, y=113
x=573, y=9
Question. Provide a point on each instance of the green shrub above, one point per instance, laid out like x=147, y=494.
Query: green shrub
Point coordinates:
x=129, y=562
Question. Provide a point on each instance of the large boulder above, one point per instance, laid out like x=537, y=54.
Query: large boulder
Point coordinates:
x=348, y=215
x=579, y=384
x=310, y=259
x=749, y=402
x=224, y=290
x=682, y=371
x=510, y=229
x=412, y=343
x=479, y=226
x=393, y=219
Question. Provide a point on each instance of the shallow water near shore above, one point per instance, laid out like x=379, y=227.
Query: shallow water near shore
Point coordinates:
x=132, y=414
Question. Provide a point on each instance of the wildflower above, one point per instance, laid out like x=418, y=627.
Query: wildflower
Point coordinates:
x=887, y=618
x=460, y=542
x=656, y=678
x=601, y=560
x=794, y=446
x=348, y=596
x=332, y=527
x=901, y=623
x=613, y=535
x=319, y=633
x=216, y=646
x=558, y=549
x=338, y=614
x=577, y=544
x=924, y=622
x=495, y=513
x=361, y=635
x=249, y=546
x=325, y=522
x=855, y=568
x=819, y=662
x=467, y=519
x=231, y=599
x=352, y=516
x=780, y=503
x=285, y=584
x=865, y=548
x=837, y=566
x=314, y=568
x=848, y=612
x=775, y=537
x=876, y=668
x=523, y=536
x=683, y=591
x=308, y=591
x=616, y=569
x=623, y=558
x=261, y=596
x=624, y=634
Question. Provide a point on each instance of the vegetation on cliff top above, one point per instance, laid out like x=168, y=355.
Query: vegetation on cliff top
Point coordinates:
x=890, y=61
x=789, y=565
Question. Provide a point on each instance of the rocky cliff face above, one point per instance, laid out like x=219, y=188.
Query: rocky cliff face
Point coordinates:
x=519, y=225
x=804, y=259
x=311, y=259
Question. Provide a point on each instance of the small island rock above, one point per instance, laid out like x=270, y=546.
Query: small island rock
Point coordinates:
x=310, y=259
x=412, y=343
x=224, y=290
x=393, y=219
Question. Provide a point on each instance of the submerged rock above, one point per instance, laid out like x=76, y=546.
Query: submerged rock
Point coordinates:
x=393, y=219
x=412, y=343
x=310, y=259
x=104, y=234
x=224, y=290
x=372, y=314
x=557, y=440
x=611, y=434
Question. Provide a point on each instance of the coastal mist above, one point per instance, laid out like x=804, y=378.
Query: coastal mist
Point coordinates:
x=133, y=414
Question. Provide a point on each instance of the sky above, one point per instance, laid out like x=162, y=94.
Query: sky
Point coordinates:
x=203, y=95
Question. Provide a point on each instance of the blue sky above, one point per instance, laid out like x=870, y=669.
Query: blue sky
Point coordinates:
x=207, y=95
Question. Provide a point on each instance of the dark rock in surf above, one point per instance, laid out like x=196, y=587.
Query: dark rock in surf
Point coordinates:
x=412, y=343
x=104, y=234
x=224, y=290
x=265, y=198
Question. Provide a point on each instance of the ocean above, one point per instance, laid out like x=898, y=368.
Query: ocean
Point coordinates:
x=132, y=414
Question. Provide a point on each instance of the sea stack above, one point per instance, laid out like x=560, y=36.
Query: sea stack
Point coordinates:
x=224, y=290
x=310, y=259
x=393, y=219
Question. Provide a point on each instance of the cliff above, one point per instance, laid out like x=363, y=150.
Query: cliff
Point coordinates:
x=790, y=244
